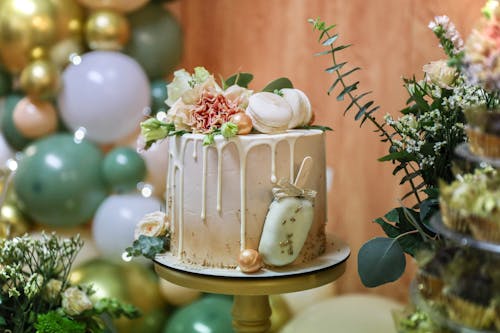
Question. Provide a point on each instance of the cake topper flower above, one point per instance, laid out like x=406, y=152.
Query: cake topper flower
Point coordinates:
x=198, y=104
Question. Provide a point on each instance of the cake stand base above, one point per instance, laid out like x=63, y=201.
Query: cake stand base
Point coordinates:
x=251, y=310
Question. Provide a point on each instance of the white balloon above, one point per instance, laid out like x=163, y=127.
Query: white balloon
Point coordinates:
x=106, y=93
x=156, y=158
x=115, y=220
x=6, y=151
x=346, y=314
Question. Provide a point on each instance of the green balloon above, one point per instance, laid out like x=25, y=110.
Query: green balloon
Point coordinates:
x=15, y=139
x=123, y=168
x=155, y=40
x=59, y=180
x=159, y=95
x=5, y=82
x=211, y=312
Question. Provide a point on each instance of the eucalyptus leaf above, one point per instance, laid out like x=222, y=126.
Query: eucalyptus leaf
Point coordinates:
x=240, y=79
x=278, y=84
x=380, y=260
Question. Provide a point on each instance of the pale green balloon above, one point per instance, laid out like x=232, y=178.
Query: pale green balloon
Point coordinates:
x=59, y=180
x=155, y=41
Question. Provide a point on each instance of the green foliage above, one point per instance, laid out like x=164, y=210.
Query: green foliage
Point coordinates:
x=115, y=308
x=240, y=79
x=153, y=130
x=278, y=84
x=34, y=281
x=380, y=260
x=148, y=246
x=55, y=322
x=420, y=143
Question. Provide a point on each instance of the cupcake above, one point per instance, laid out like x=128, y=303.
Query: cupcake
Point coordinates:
x=469, y=300
x=416, y=321
x=472, y=203
x=430, y=275
x=483, y=131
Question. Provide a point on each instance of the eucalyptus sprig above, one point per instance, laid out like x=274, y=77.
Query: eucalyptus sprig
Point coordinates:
x=421, y=144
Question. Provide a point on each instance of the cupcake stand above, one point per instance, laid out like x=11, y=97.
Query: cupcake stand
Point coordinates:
x=437, y=312
x=251, y=310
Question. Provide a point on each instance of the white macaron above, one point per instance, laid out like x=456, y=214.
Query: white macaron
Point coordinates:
x=270, y=113
x=300, y=105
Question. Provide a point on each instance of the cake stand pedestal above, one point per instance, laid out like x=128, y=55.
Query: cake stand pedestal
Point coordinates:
x=251, y=310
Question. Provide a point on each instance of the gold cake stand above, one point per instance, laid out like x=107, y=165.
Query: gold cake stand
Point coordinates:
x=251, y=310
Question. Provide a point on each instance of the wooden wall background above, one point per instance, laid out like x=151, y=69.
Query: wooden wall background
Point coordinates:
x=271, y=38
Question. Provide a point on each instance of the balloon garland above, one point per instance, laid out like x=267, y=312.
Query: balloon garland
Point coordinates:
x=76, y=79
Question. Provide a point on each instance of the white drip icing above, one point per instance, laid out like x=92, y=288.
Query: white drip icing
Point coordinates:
x=204, y=185
x=243, y=146
x=195, y=149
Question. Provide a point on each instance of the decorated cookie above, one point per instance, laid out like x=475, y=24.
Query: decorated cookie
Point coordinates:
x=301, y=107
x=270, y=113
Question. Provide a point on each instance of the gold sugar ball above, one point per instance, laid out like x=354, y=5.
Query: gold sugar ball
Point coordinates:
x=243, y=121
x=250, y=261
x=40, y=79
x=107, y=30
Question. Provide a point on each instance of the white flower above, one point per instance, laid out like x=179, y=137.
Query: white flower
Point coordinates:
x=238, y=95
x=178, y=86
x=33, y=285
x=75, y=301
x=52, y=289
x=181, y=115
x=439, y=73
x=153, y=224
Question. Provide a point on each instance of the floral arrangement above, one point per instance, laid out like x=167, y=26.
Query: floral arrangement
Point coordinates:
x=152, y=236
x=198, y=104
x=36, y=295
x=421, y=143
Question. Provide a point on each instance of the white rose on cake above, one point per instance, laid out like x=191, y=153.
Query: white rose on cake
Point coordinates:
x=154, y=224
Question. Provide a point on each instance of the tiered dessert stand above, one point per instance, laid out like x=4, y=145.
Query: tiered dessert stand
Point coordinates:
x=459, y=239
x=251, y=310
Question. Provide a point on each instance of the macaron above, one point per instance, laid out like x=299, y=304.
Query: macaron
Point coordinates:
x=300, y=105
x=270, y=113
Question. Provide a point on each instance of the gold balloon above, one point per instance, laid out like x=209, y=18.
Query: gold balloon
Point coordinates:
x=107, y=30
x=13, y=222
x=119, y=5
x=62, y=53
x=69, y=18
x=34, y=119
x=281, y=313
x=24, y=25
x=128, y=283
x=40, y=79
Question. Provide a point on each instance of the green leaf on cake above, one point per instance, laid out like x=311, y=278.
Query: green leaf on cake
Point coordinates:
x=240, y=79
x=148, y=246
x=380, y=260
x=278, y=84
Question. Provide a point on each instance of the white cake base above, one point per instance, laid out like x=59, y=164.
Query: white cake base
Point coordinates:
x=337, y=251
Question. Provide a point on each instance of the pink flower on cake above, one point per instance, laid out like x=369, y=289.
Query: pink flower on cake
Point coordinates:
x=154, y=224
x=211, y=111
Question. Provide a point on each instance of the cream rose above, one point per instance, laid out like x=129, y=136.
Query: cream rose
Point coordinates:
x=439, y=73
x=181, y=115
x=52, y=289
x=75, y=301
x=238, y=95
x=153, y=224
